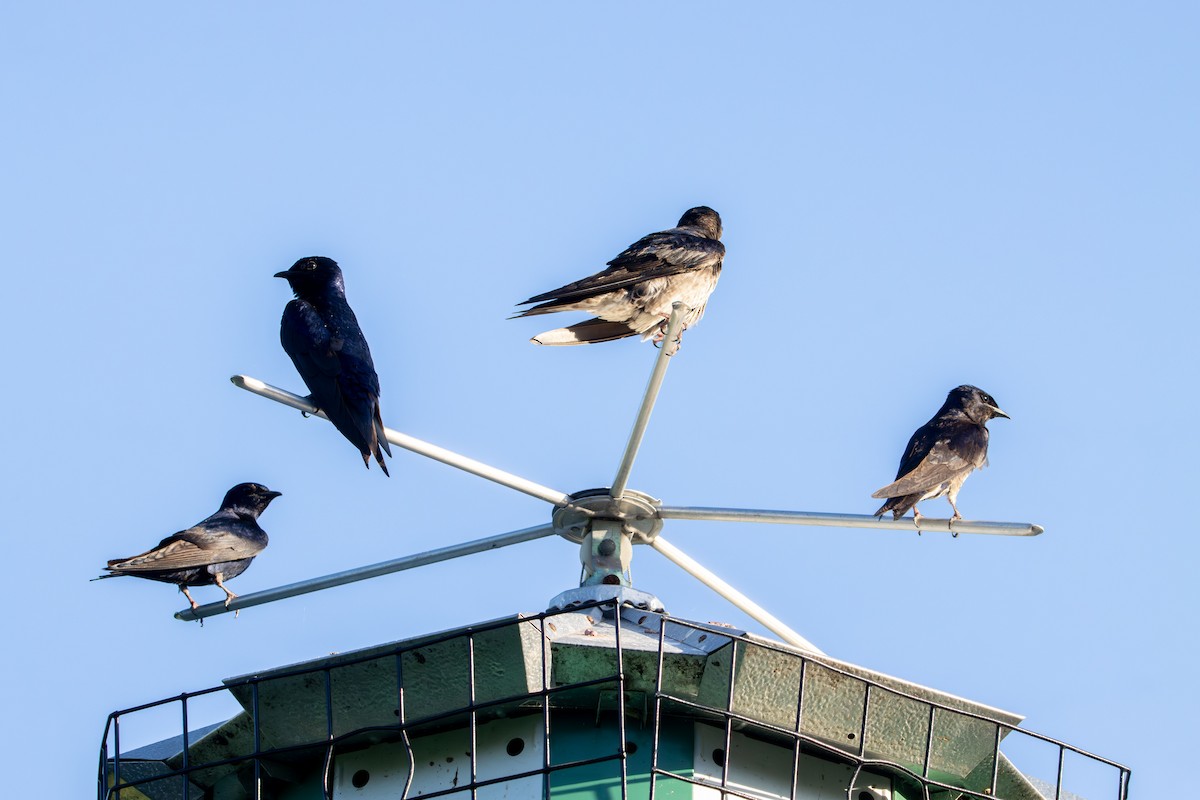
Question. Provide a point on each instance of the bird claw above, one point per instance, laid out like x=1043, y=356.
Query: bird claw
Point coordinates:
x=316, y=409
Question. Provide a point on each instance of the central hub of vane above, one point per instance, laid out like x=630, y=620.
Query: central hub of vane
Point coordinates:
x=606, y=529
x=637, y=513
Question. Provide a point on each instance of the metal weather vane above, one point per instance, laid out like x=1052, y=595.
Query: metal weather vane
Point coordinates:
x=606, y=522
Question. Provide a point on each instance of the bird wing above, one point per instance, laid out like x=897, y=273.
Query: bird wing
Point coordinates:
x=199, y=546
x=338, y=373
x=307, y=339
x=951, y=453
x=654, y=256
x=357, y=392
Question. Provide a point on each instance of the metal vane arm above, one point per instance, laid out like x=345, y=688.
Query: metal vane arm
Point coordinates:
x=371, y=571
x=410, y=443
x=756, y=612
x=669, y=348
x=848, y=520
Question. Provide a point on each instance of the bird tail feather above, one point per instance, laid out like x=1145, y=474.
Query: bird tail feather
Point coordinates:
x=379, y=434
x=590, y=332
x=538, y=310
x=899, y=506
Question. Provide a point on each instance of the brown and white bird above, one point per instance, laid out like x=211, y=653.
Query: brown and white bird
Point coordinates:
x=213, y=550
x=942, y=453
x=633, y=297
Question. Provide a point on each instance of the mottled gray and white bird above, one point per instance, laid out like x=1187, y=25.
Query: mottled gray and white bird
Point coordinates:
x=214, y=550
x=942, y=453
x=633, y=297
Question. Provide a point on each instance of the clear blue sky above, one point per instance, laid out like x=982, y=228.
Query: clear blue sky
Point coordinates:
x=914, y=195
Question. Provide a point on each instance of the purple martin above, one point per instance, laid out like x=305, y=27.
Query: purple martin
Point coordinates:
x=633, y=296
x=211, y=551
x=942, y=453
x=321, y=334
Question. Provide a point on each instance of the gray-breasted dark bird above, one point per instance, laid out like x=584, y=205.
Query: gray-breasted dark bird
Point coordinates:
x=211, y=551
x=942, y=453
x=633, y=296
x=321, y=334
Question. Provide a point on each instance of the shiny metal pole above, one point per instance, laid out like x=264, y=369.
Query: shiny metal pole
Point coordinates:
x=370, y=571
x=905, y=524
x=415, y=445
x=669, y=348
x=754, y=610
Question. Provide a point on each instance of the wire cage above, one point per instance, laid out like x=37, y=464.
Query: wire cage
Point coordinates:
x=596, y=703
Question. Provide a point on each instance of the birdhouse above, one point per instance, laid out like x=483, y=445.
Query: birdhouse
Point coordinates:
x=597, y=701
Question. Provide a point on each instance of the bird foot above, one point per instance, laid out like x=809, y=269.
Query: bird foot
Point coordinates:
x=316, y=409
x=661, y=336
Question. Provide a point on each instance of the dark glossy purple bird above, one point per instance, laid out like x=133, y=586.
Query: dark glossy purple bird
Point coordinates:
x=321, y=334
x=942, y=453
x=211, y=551
x=633, y=297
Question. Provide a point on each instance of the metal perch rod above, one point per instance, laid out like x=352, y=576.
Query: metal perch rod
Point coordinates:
x=756, y=612
x=669, y=348
x=415, y=445
x=848, y=520
x=371, y=571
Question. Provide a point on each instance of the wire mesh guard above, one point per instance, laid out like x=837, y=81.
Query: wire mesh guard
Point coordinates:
x=587, y=703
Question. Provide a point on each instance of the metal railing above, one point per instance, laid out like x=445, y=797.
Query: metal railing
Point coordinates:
x=856, y=755
x=792, y=725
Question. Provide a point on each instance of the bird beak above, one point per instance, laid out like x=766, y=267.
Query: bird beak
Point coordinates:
x=273, y=495
x=283, y=274
x=998, y=413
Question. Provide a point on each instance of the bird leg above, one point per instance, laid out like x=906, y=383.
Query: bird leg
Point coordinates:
x=229, y=596
x=917, y=520
x=188, y=595
x=955, y=507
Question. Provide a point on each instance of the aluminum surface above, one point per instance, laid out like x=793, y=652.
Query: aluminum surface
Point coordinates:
x=669, y=348
x=426, y=449
x=709, y=579
x=370, y=571
x=848, y=520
